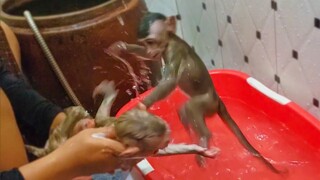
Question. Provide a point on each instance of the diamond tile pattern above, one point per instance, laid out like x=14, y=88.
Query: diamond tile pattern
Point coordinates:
x=290, y=27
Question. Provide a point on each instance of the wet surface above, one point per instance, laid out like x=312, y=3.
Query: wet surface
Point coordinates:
x=281, y=146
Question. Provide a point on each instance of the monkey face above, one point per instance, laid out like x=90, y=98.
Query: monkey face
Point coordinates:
x=157, y=39
x=149, y=146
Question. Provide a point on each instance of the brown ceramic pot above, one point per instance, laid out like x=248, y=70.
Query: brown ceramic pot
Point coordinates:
x=77, y=31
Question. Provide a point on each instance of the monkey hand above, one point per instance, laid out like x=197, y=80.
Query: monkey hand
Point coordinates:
x=116, y=49
x=105, y=88
x=210, y=153
x=141, y=106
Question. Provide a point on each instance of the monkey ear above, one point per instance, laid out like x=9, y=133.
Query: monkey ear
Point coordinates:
x=171, y=24
x=131, y=151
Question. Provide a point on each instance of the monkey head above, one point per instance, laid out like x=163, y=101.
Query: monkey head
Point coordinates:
x=141, y=132
x=154, y=31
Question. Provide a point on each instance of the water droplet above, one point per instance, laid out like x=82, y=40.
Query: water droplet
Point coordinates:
x=261, y=137
x=129, y=92
x=253, y=169
x=120, y=20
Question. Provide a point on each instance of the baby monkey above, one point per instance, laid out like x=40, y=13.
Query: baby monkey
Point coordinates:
x=140, y=131
x=182, y=68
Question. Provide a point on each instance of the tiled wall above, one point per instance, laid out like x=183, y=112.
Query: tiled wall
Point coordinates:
x=274, y=41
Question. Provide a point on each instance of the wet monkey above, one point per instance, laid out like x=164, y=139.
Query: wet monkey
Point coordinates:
x=182, y=68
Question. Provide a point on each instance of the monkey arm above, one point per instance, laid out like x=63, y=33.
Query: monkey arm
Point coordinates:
x=166, y=85
x=175, y=149
x=163, y=89
x=139, y=51
x=135, y=49
x=120, y=47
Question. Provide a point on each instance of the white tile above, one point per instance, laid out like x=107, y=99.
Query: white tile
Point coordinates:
x=246, y=69
x=259, y=11
x=297, y=18
x=218, y=58
x=309, y=58
x=268, y=38
x=166, y=7
x=283, y=45
x=315, y=112
x=221, y=17
x=206, y=41
x=315, y=5
x=204, y=53
x=179, y=29
x=295, y=86
x=243, y=26
x=274, y=87
x=232, y=54
x=261, y=67
x=189, y=21
x=229, y=5
x=209, y=27
x=281, y=92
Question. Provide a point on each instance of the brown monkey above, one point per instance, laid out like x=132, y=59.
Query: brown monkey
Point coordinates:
x=143, y=133
x=183, y=68
x=74, y=115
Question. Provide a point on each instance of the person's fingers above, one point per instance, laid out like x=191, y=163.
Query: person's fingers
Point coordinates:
x=102, y=134
x=115, y=146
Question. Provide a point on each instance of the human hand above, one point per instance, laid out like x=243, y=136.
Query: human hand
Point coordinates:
x=84, y=155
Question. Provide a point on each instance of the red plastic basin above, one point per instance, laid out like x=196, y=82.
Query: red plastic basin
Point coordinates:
x=284, y=133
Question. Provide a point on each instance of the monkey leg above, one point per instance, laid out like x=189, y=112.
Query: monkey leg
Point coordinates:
x=192, y=115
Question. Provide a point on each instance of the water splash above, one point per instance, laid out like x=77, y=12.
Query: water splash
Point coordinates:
x=135, y=78
x=120, y=19
x=124, y=4
x=261, y=137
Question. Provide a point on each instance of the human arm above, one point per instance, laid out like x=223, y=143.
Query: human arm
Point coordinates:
x=80, y=155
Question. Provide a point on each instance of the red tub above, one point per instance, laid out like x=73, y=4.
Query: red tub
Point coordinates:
x=282, y=131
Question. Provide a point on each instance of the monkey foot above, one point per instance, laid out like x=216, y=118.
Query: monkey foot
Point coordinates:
x=201, y=161
x=211, y=153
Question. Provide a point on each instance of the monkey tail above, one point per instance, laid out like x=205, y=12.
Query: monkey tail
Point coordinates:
x=225, y=116
x=39, y=152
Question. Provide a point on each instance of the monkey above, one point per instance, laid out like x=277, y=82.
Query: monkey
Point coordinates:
x=62, y=132
x=183, y=68
x=141, y=132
